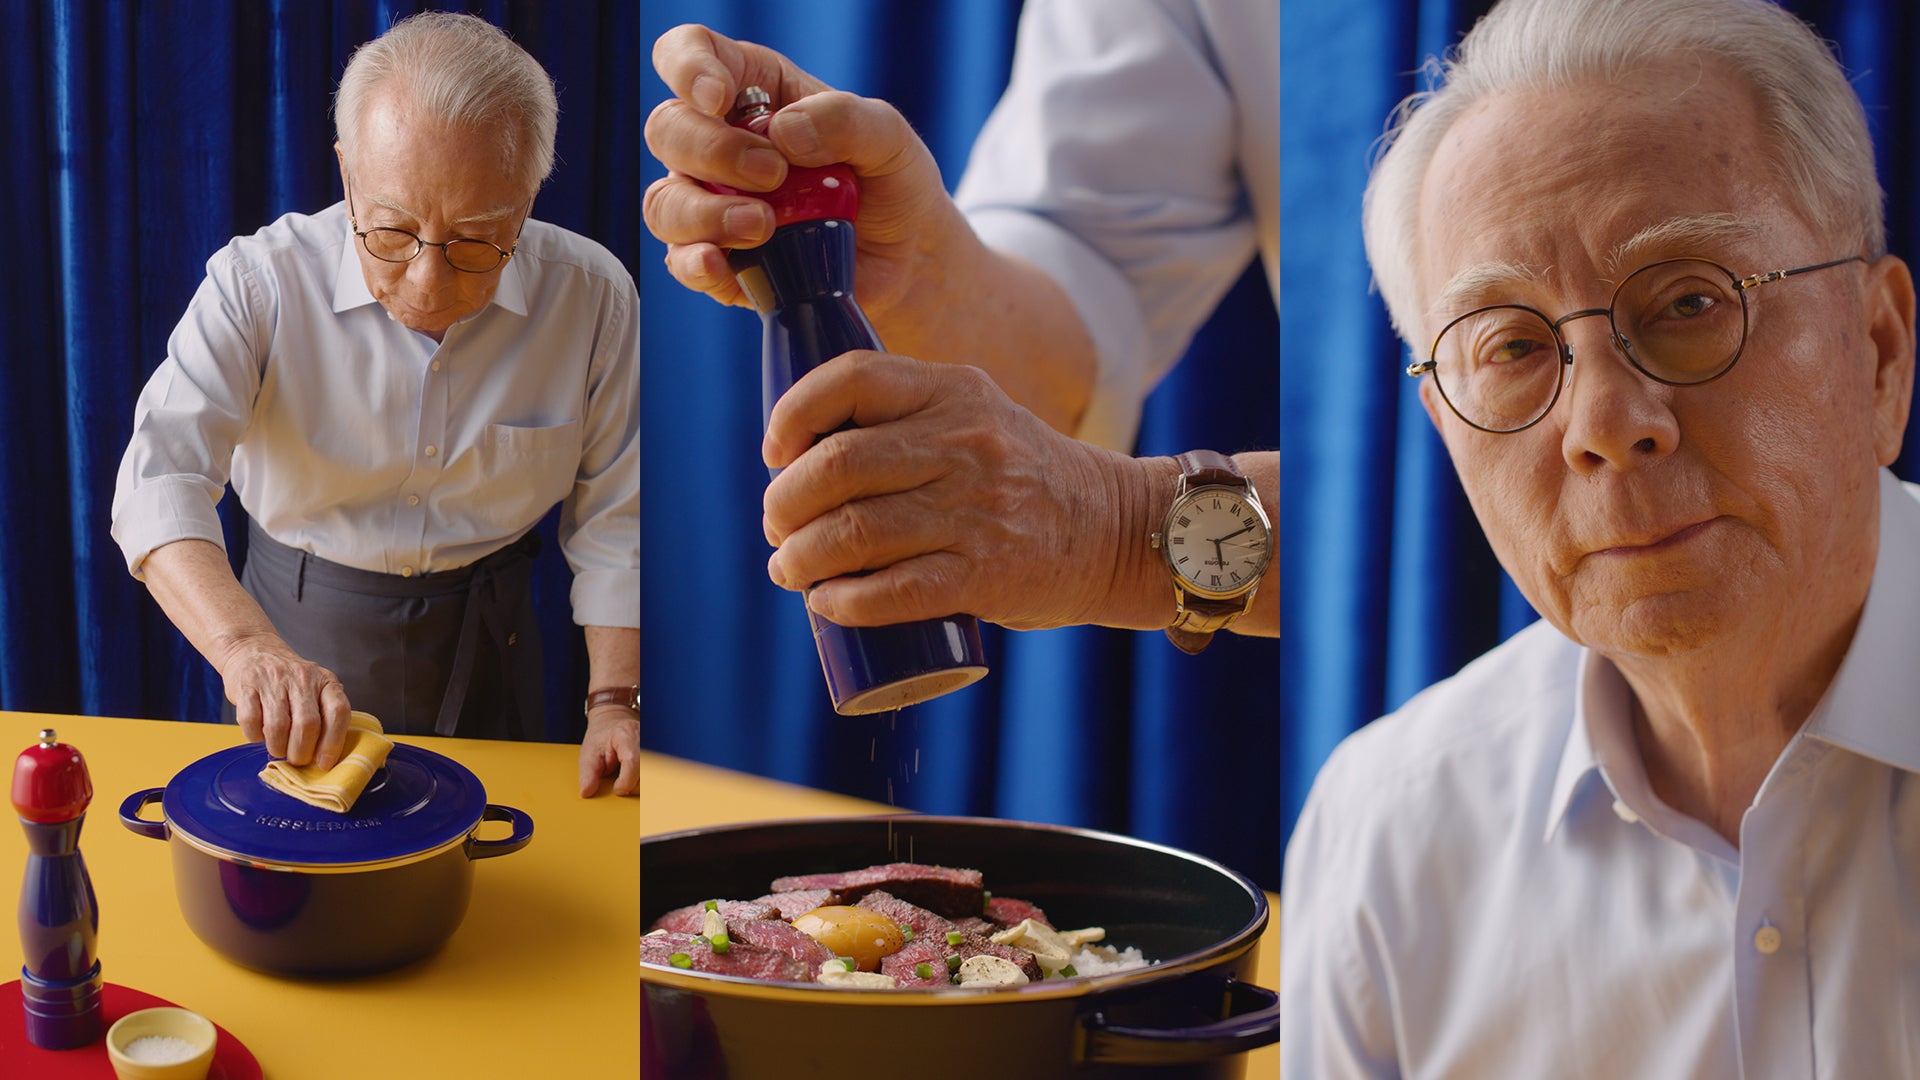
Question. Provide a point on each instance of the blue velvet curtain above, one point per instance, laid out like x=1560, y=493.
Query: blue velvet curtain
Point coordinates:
x=1388, y=584
x=1085, y=726
x=141, y=137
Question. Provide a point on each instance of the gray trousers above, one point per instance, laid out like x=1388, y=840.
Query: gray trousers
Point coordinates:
x=450, y=653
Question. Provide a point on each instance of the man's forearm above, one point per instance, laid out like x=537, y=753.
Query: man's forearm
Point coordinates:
x=613, y=656
x=973, y=305
x=194, y=584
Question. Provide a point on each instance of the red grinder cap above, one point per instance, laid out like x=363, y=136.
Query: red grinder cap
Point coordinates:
x=807, y=194
x=50, y=782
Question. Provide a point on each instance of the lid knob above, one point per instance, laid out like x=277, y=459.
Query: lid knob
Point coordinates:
x=50, y=782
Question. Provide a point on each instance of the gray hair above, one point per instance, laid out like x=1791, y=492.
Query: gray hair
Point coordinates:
x=1815, y=122
x=465, y=72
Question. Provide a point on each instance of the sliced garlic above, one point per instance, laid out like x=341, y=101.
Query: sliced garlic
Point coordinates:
x=1042, y=941
x=989, y=970
x=714, y=924
x=832, y=974
x=1077, y=938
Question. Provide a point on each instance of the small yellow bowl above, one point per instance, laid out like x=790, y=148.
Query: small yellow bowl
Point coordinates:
x=188, y=1027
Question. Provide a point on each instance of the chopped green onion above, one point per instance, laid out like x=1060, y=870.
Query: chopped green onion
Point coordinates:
x=924, y=971
x=986, y=897
x=712, y=905
x=954, y=937
x=699, y=940
x=680, y=960
x=906, y=932
x=1068, y=972
x=953, y=962
x=720, y=943
x=847, y=963
x=954, y=979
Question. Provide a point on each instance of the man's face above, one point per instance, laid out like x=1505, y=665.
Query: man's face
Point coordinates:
x=1642, y=519
x=438, y=183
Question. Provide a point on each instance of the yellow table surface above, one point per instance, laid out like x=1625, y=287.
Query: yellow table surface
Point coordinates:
x=538, y=980
x=677, y=794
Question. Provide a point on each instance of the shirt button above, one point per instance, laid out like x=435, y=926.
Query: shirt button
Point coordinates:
x=432, y=450
x=406, y=571
x=436, y=365
x=413, y=500
x=1624, y=812
x=1767, y=940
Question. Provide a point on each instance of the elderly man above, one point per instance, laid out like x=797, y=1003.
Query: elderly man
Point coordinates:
x=399, y=387
x=1672, y=829
x=1071, y=287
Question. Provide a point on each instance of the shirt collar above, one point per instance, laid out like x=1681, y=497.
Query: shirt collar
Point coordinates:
x=1865, y=710
x=350, y=285
x=1599, y=699
x=1869, y=707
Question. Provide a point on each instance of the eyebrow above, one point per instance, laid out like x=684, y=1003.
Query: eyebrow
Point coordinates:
x=1684, y=235
x=1688, y=233
x=497, y=214
x=1483, y=280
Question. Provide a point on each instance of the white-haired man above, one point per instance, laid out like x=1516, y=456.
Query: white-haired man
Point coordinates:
x=399, y=387
x=1673, y=829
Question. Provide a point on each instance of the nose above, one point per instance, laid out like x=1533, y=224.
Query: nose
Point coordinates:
x=1616, y=417
x=429, y=272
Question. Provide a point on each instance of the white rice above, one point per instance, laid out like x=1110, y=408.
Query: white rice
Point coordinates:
x=1106, y=960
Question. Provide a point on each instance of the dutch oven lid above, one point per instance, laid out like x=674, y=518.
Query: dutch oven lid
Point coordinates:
x=417, y=802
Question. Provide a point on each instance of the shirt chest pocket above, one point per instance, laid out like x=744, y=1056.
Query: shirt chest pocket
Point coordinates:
x=541, y=461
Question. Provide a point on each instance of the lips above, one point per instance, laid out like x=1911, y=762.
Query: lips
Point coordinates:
x=1656, y=540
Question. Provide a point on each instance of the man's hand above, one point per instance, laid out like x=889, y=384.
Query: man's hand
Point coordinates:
x=907, y=220
x=957, y=500
x=298, y=708
x=612, y=744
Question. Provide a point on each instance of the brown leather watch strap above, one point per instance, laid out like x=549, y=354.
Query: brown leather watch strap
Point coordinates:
x=624, y=696
x=1209, y=467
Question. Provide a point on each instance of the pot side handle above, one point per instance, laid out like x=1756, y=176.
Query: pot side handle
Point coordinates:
x=522, y=833
x=130, y=814
x=1253, y=1022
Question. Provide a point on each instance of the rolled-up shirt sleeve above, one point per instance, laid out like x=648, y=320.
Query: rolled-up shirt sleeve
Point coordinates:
x=1112, y=163
x=193, y=410
x=600, y=519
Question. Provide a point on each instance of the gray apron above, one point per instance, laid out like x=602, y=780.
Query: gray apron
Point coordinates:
x=449, y=653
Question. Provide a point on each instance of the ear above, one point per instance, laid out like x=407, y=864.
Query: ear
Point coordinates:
x=1889, y=307
x=1430, y=398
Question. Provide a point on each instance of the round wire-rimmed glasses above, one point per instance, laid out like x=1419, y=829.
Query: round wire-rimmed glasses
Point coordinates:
x=1681, y=322
x=465, y=254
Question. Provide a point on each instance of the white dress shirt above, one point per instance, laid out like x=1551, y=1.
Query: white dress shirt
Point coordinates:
x=1136, y=158
x=351, y=437
x=1483, y=885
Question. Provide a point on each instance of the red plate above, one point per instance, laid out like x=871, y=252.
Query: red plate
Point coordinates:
x=20, y=1058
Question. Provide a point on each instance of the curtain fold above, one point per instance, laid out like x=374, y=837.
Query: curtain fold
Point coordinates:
x=142, y=138
x=1084, y=726
x=1388, y=584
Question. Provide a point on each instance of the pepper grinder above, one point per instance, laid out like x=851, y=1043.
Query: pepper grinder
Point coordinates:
x=59, y=922
x=801, y=283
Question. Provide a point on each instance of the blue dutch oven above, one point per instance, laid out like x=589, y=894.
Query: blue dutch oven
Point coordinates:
x=290, y=889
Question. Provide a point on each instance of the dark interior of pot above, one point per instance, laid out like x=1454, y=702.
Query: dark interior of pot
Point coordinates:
x=1166, y=903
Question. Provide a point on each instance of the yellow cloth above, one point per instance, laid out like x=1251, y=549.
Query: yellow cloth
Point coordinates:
x=335, y=789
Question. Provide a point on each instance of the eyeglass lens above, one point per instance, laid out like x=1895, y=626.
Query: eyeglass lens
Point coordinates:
x=398, y=245
x=1680, y=321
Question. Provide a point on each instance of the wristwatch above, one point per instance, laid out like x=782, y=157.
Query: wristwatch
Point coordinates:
x=1216, y=542
x=626, y=696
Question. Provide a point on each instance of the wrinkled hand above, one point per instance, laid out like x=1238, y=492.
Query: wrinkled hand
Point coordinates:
x=612, y=744
x=298, y=708
x=903, y=205
x=957, y=500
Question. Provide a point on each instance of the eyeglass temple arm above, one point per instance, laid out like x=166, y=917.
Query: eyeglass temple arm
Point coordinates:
x=1755, y=280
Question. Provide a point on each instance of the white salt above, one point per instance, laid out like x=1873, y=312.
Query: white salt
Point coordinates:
x=160, y=1050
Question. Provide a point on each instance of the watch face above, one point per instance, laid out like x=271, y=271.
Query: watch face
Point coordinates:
x=1217, y=541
